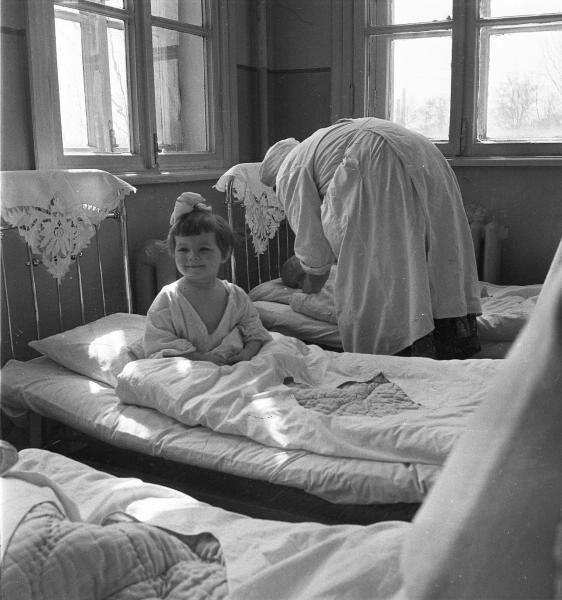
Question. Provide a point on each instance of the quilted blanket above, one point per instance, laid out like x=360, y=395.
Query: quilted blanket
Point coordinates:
x=51, y=557
x=294, y=396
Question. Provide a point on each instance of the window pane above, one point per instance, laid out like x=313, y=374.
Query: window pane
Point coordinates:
x=420, y=84
x=410, y=11
x=512, y=8
x=521, y=84
x=180, y=90
x=92, y=74
x=185, y=11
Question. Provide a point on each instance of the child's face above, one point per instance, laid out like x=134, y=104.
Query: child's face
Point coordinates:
x=198, y=258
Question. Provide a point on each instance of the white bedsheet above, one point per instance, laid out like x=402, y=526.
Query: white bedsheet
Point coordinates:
x=249, y=399
x=343, y=561
x=90, y=407
x=281, y=318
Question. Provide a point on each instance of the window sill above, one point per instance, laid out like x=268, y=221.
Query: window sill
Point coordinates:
x=505, y=161
x=155, y=176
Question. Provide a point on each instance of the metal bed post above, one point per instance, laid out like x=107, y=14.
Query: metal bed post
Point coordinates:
x=100, y=272
x=7, y=301
x=121, y=215
x=229, y=215
x=32, y=263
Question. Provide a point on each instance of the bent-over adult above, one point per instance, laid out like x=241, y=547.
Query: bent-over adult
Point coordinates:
x=382, y=202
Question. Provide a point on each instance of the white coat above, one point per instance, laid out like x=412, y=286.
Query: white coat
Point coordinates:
x=383, y=203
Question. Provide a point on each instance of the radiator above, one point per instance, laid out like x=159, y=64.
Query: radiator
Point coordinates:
x=488, y=239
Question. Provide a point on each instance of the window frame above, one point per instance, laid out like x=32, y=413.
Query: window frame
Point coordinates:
x=142, y=159
x=465, y=71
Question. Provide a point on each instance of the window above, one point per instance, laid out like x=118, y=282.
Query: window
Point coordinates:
x=130, y=85
x=478, y=77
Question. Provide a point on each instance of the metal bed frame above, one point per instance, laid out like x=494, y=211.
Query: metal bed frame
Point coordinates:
x=248, y=269
x=101, y=301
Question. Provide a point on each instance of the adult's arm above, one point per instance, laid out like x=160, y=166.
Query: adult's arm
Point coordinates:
x=314, y=283
x=299, y=195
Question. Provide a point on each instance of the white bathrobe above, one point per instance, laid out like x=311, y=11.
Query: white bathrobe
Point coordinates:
x=174, y=327
x=383, y=202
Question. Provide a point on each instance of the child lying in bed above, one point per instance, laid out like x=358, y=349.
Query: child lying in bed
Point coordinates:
x=200, y=316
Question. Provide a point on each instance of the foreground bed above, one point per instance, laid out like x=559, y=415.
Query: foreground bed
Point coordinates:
x=490, y=528
x=76, y=532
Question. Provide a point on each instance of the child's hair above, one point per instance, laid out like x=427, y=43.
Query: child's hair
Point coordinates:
x=203, y=221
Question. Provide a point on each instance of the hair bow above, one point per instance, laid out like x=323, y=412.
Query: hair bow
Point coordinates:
x=186, y=203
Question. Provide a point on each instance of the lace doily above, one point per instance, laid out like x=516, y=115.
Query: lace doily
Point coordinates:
x=263, y=220
x=56, y=212
x=262, y=209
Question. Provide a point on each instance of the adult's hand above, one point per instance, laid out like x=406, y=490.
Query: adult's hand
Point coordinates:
x=314, y=283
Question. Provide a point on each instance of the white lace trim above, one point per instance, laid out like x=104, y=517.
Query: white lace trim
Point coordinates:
x=56, y=212
x=54, y=233
x=263, y=211
x=263, y=220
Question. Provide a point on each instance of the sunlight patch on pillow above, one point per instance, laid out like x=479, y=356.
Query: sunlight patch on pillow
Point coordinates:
x=98, y=350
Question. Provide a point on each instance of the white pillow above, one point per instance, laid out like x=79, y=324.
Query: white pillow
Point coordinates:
x=272, y=291
x=98, y=350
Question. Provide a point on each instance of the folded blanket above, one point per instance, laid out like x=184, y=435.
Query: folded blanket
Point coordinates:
x=430, y=401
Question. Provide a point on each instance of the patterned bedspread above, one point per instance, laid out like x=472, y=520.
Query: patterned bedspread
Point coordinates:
x=294, y=396
x=376, y=398
x=50, y=557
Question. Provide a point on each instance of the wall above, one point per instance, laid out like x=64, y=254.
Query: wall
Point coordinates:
x=16, y=147
x=299, y=67
x=528, y=201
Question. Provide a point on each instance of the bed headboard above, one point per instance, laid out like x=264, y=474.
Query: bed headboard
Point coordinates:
x=250, y=266
x=34, y=303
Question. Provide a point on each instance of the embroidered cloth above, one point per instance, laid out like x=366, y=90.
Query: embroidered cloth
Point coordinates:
x=263, y=211
x=378, y=397
x=57, y=211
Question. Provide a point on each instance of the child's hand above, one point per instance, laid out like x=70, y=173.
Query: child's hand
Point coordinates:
x=240, y=357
